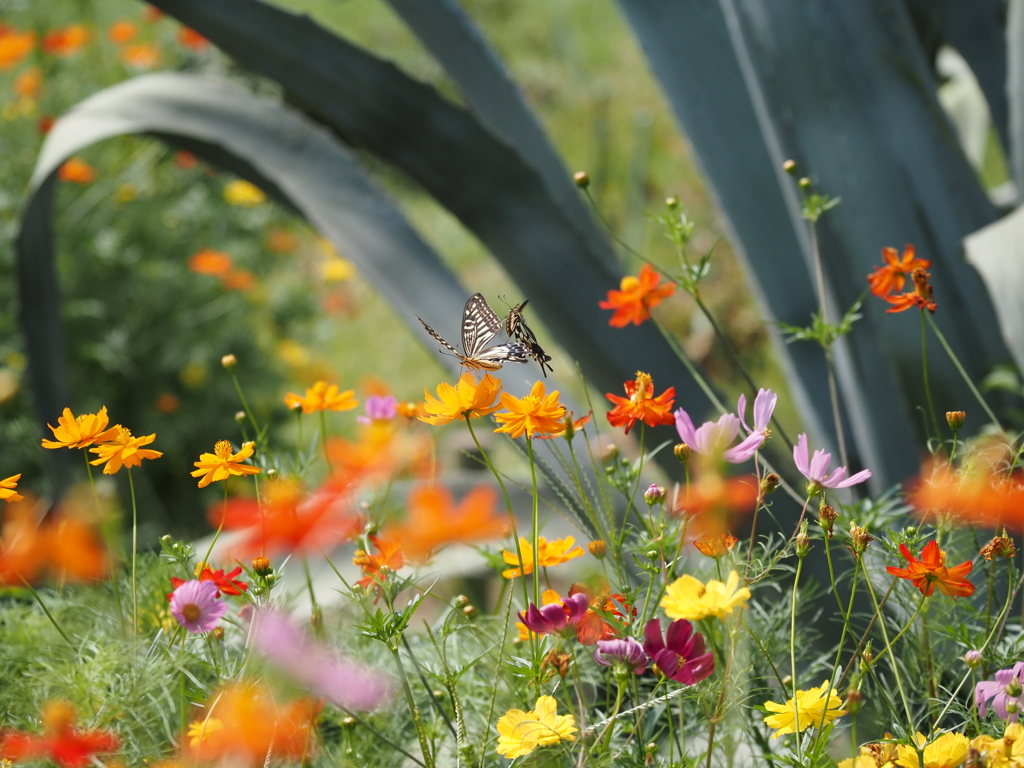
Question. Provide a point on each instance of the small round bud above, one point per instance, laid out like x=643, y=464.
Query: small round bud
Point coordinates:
x=461, y=601
x=653, y=495
x=910, y=531
x=790, y=167
x=804, y=183
x=438, y=694
x=1014, y=688
x=672, y=202
x=972, y=658
x=348, y=722
x=682, y=452
x=317, y=618
x=1012, y=707
x=859, y=539
x=609, y=453
x=469, y=611
x=218, y=633
x=240, y=416
x=598, y=548
x=787, y=681
x=769, y=483
x=651, y=748
x=581, y=179
x=229, y=362
x=653, y=554
x=826, y=518
x=802, y=543
x=854, y=699
x=166, y=538
x=272, y=474
x=955, y=419
x=570, y=426
x=261, y=565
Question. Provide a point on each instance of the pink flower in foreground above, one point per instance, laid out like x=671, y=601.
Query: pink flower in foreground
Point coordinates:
x=713, y=438
x=379, y=408
x=196, y=607
x=338, y=680
x=816, y=470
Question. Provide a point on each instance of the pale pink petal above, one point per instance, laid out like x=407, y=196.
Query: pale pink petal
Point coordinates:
x=741, y=410
x=800, y=454
x=860, y=477
x=684, y=426
x=764, y=407
x=819, y=465
x=745, y=450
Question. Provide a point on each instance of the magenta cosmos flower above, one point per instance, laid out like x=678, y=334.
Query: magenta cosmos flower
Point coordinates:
x=713, y=438
x=816, y=470
x=342, y=682
x=196, y=607
x=680, y=656
x=1005, y=689
x=624, y=651
x=554, y=617
x=379, y=408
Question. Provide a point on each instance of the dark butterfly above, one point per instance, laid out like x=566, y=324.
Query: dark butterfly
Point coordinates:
x=516, y=328
x=479, y=327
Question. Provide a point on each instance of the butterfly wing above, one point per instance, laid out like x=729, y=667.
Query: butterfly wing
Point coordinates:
x=492, y=358
x=479, y=325
x=434, y=333
x=516, y=327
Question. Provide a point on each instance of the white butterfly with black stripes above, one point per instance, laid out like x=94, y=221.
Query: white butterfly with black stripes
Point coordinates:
x=516, y=328
x=479, y=327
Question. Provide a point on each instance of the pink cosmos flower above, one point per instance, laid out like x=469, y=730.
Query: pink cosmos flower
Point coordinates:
x=342, y=682
x=1005, y=689
x=196, y=607
x=554, y=617
x=816, y=470
x=680, y=656
x=379, y=408
x=713, y=438
x=626, y=651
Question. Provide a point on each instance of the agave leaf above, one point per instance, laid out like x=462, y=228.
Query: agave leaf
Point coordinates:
x=1015, y=89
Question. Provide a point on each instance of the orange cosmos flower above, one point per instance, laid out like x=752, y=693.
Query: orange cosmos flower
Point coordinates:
x=921, y=297
x=8, y=489
x=151, y=14
x=987, y=497
x=256, y=729
x=641, y=405
x=321, y=397
x=239, y=280
x=715, y=546
x=123, y=449
x=606, y=615
x=551, y=553
x=82, y=431
x=185, y=160
x=572, y=426
x=77, y=171
x=282, y=241
x=469, y=398
x=122, y=32
x=930, y=571
x=14, y=46
x=189, y=38
x=67, y=41
x=536, y=414
x=222, y=463
x=890, y=277
x=389, y=554
x=60, y=741
x=636, y=297
x=209, y=262
x=29, y=83
x=141, y=55
x=434, y=520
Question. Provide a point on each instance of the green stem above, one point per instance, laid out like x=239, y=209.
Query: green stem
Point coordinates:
x=606, y=737
x=47, y=612
x=298, y=441
x=792, y=658
x=927, y=385
x=113, y=568
x=494, y=690
x=135, y=546
x=317, y=615
x=632, y=496
x=888, y=646
x=205, y=563
x=534, y=523
x=323, y=440
x=910, y=623
x=428, y=759
x=245, y=405
x=963, y=373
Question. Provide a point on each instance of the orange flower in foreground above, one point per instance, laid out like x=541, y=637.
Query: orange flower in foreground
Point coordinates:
x=389, y=555
x=554, y=552
x=536, y=414
x=321, y=397
x=469, y=398
x=82, y=431
x=8, y=489
x=256, y=729
x=606, y=616
x=930, y=571
x=209, y=262
x=986, y=498
x=641, y=405
x=141, y=55
x=891, y=276
x=14, y=46
x=434, y=520
x=189, y=38
x=222, y=463
x=122, y=32
x=60, y=741
x=921, y=297
x=29, y=83
x=67, y=41
x=636, y=297
x=123, y=449
x=77, y=171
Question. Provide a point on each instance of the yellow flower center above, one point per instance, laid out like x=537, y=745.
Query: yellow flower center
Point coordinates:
x=222, y=449
x=124, y=436
x=644, y=387
x=191, y=612
x=629, y=283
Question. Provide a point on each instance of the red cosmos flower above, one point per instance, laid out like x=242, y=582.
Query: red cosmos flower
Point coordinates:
x=389, y=553
x=641, y=405
x=606, y=616
x=60, y=741
x=890, y=277
x=987, y=497
x=930, y=571
x=922, y=295
x=228, y=583
x=637, y=295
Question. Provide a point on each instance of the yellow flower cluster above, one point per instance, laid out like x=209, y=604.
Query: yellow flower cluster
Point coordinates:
x=116, y=447
x=688, y=598
x=810, y=706
x=947, y=751
x=550, y=553
x=519, y=733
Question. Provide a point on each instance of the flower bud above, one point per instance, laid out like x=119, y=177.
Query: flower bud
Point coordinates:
x=317, y=618
x=469, y=611
x=348, y=722
x=570, y=427
x=240, y=416
x=218, y=633
x=461, y=601
x=167, y=539
x=955, y=419
x=653, y=495
x=581, y=179
x=653, y=554
x=802, y=543
x=1000, y=546
x=859, y=539
x=972, y=658
x=790, y=167
x=854, y=699
x=682, y=452
x=827, y=518
x=261, y=565
x=868, y=655
x=272, y=474
x=229, y=362
x=598, y=548
x=609, y=453
x=804, y=183
x=1012, y=706
x=1013, y=688
x=769, y=483
x=672, y=202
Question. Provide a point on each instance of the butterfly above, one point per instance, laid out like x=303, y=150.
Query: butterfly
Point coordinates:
x=516, y=327
x=479, y=327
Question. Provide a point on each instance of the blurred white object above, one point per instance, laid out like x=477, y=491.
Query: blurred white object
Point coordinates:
x=964, y=102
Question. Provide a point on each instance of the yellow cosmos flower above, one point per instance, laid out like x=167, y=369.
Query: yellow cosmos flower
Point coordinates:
x=810, y=705
x=222, y=463
x=81, y=431
x=7, y=489
x=689, y=598
x=1007, y=752
x=241, y=192
x=863, y=760
x=947, y=751
x=203, y=730
x=124, y=449
x=552, y=553
x=519, y=733
x=321, y=397
x=469, y=397
x=536, y=414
